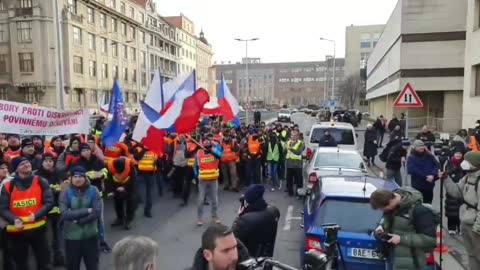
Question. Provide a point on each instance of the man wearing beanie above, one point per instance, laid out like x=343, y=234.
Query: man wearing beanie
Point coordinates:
x=121, y=179
x=81, y=208
x=423, y=169
x=468, y=190
x=70, y=156
x=96, y=171
x=14, y=147
x=24, y=204
x=55, y=179
x=28, y=151
x=256, y=224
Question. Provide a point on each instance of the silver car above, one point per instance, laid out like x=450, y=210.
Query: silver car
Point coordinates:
x=332, y=161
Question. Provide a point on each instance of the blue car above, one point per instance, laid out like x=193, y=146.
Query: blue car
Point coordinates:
x=345, y=200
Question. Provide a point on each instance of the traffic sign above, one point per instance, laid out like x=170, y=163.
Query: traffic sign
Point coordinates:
x=408, y=98
x=333, y=103
x=325, y=103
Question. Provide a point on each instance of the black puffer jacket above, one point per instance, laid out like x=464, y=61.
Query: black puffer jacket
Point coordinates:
x=199, y=262
x=256, y=227
x=452, y=205
x=370, y=143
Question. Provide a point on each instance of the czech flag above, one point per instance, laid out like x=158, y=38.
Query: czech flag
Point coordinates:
x=227, y=103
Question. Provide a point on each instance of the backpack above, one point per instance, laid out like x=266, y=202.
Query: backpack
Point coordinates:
x=385, y=153
x=419, y=198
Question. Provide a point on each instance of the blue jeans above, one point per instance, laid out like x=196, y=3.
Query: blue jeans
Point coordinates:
x=159, y=180
x=101, y=226
x=253, y=172
x=380, y=135
x=209, y=190
x=273, y=171
x=145, y=184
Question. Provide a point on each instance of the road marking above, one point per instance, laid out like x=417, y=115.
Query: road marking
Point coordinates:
x=288, y=218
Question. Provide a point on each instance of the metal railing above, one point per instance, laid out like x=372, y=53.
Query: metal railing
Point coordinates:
x=440, y=125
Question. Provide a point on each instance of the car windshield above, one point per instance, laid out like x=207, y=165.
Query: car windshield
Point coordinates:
x=343, y=160
x=341, y=135
x=353, y=215
x=284, y=111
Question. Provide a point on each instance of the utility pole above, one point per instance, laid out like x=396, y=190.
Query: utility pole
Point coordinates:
x=59, y=74
x=247, y=84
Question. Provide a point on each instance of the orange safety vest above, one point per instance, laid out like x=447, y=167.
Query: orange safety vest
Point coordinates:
x=123, y=177
x=114, y=152
x=473, y=144
x=208, y=167
x=23, y=203
x=253, y=145
x=70, y=159
x=228, y=154
x=148, y=163
x=218, y=136
x=9, y=155
x=191, y=146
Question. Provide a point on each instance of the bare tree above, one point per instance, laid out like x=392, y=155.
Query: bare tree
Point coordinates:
x=350, y=89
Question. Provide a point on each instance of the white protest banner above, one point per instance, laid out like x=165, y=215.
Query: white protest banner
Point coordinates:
x=26, y=119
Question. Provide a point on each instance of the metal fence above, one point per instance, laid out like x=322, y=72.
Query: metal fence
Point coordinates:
x=440, y=125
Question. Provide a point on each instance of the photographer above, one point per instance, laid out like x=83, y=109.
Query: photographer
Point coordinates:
x=256, y=224
x=468, y=190
x=220, y=250
x=408, y=228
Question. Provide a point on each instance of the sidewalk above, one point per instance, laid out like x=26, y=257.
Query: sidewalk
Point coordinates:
x=456, y=258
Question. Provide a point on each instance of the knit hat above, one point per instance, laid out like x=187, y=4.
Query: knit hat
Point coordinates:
x=406, y=142
x=417, y=144
x=473, y=158
x=85, y=146
x=48, y=156
x=26, y=142
x=254, y=193
x=13, y=135
x=54, y=138
x=38, y=137
x=77, y=170
x=16, y=161
x=119, y=164
x=74, y=139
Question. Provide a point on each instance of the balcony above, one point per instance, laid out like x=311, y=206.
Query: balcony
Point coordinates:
x=24, y=11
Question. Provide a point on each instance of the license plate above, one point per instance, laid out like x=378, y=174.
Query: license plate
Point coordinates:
x=364, y=253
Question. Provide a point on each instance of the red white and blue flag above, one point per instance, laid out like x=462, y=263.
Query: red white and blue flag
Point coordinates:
x=227, y=104
x=174, y=107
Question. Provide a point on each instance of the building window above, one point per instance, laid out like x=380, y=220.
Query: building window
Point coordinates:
x=3, y=94
x=3, y=32
x=133, y=54
x=3, y=63
x=78, y=64
x=104, y=71
x=132, y=13
x=114, y=25
x=103, y=45
x=142, y=17
x=144, y=78
x=142, y=35
x=77, y=95
x=133, y=33
x=143, y=59
x=26, y=62
x=477, y=80
x=134, y=76
x=72, y=6
x=24, y=31
x=93, y=96
x=122, y=7
x=123, y=29
x=91, y=41
x=365, y=44
x=92, y=68
x=115, y=49
x=125, y=51
x=134, y=97
x=103, y=20
x=115, y=72
x=125, y=74
x=90, y=15
x=77, y=36
x=127, y=97
x=113, y=4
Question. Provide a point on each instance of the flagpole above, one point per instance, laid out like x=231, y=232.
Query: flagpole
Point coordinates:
x=161, y=91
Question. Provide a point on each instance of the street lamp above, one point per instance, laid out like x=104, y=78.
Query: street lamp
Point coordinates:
x=247, y=86
x=334, y=48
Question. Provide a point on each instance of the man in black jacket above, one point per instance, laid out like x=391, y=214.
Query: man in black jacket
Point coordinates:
x=379, y=126
x=327, y=140
x=220, y=250
x=395, y=159
x=256, y=224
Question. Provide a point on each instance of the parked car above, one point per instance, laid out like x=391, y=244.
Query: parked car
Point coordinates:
x=344, y=200
x=328, y=161
x=284, y=115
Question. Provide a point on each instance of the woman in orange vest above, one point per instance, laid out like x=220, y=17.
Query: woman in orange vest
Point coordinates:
x=24, y=204
x=121, y=180
x=206, y=169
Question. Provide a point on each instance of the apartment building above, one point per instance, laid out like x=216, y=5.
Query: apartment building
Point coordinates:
x=102, y=40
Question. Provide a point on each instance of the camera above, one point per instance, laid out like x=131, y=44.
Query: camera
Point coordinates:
x=382, y=236
x=331, y=232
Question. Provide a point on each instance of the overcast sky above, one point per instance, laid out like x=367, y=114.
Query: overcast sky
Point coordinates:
x=288, y=30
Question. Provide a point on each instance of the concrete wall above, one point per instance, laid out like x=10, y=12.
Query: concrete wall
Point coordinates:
x=435, y=54
x=471, y=113
x=384, y=69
